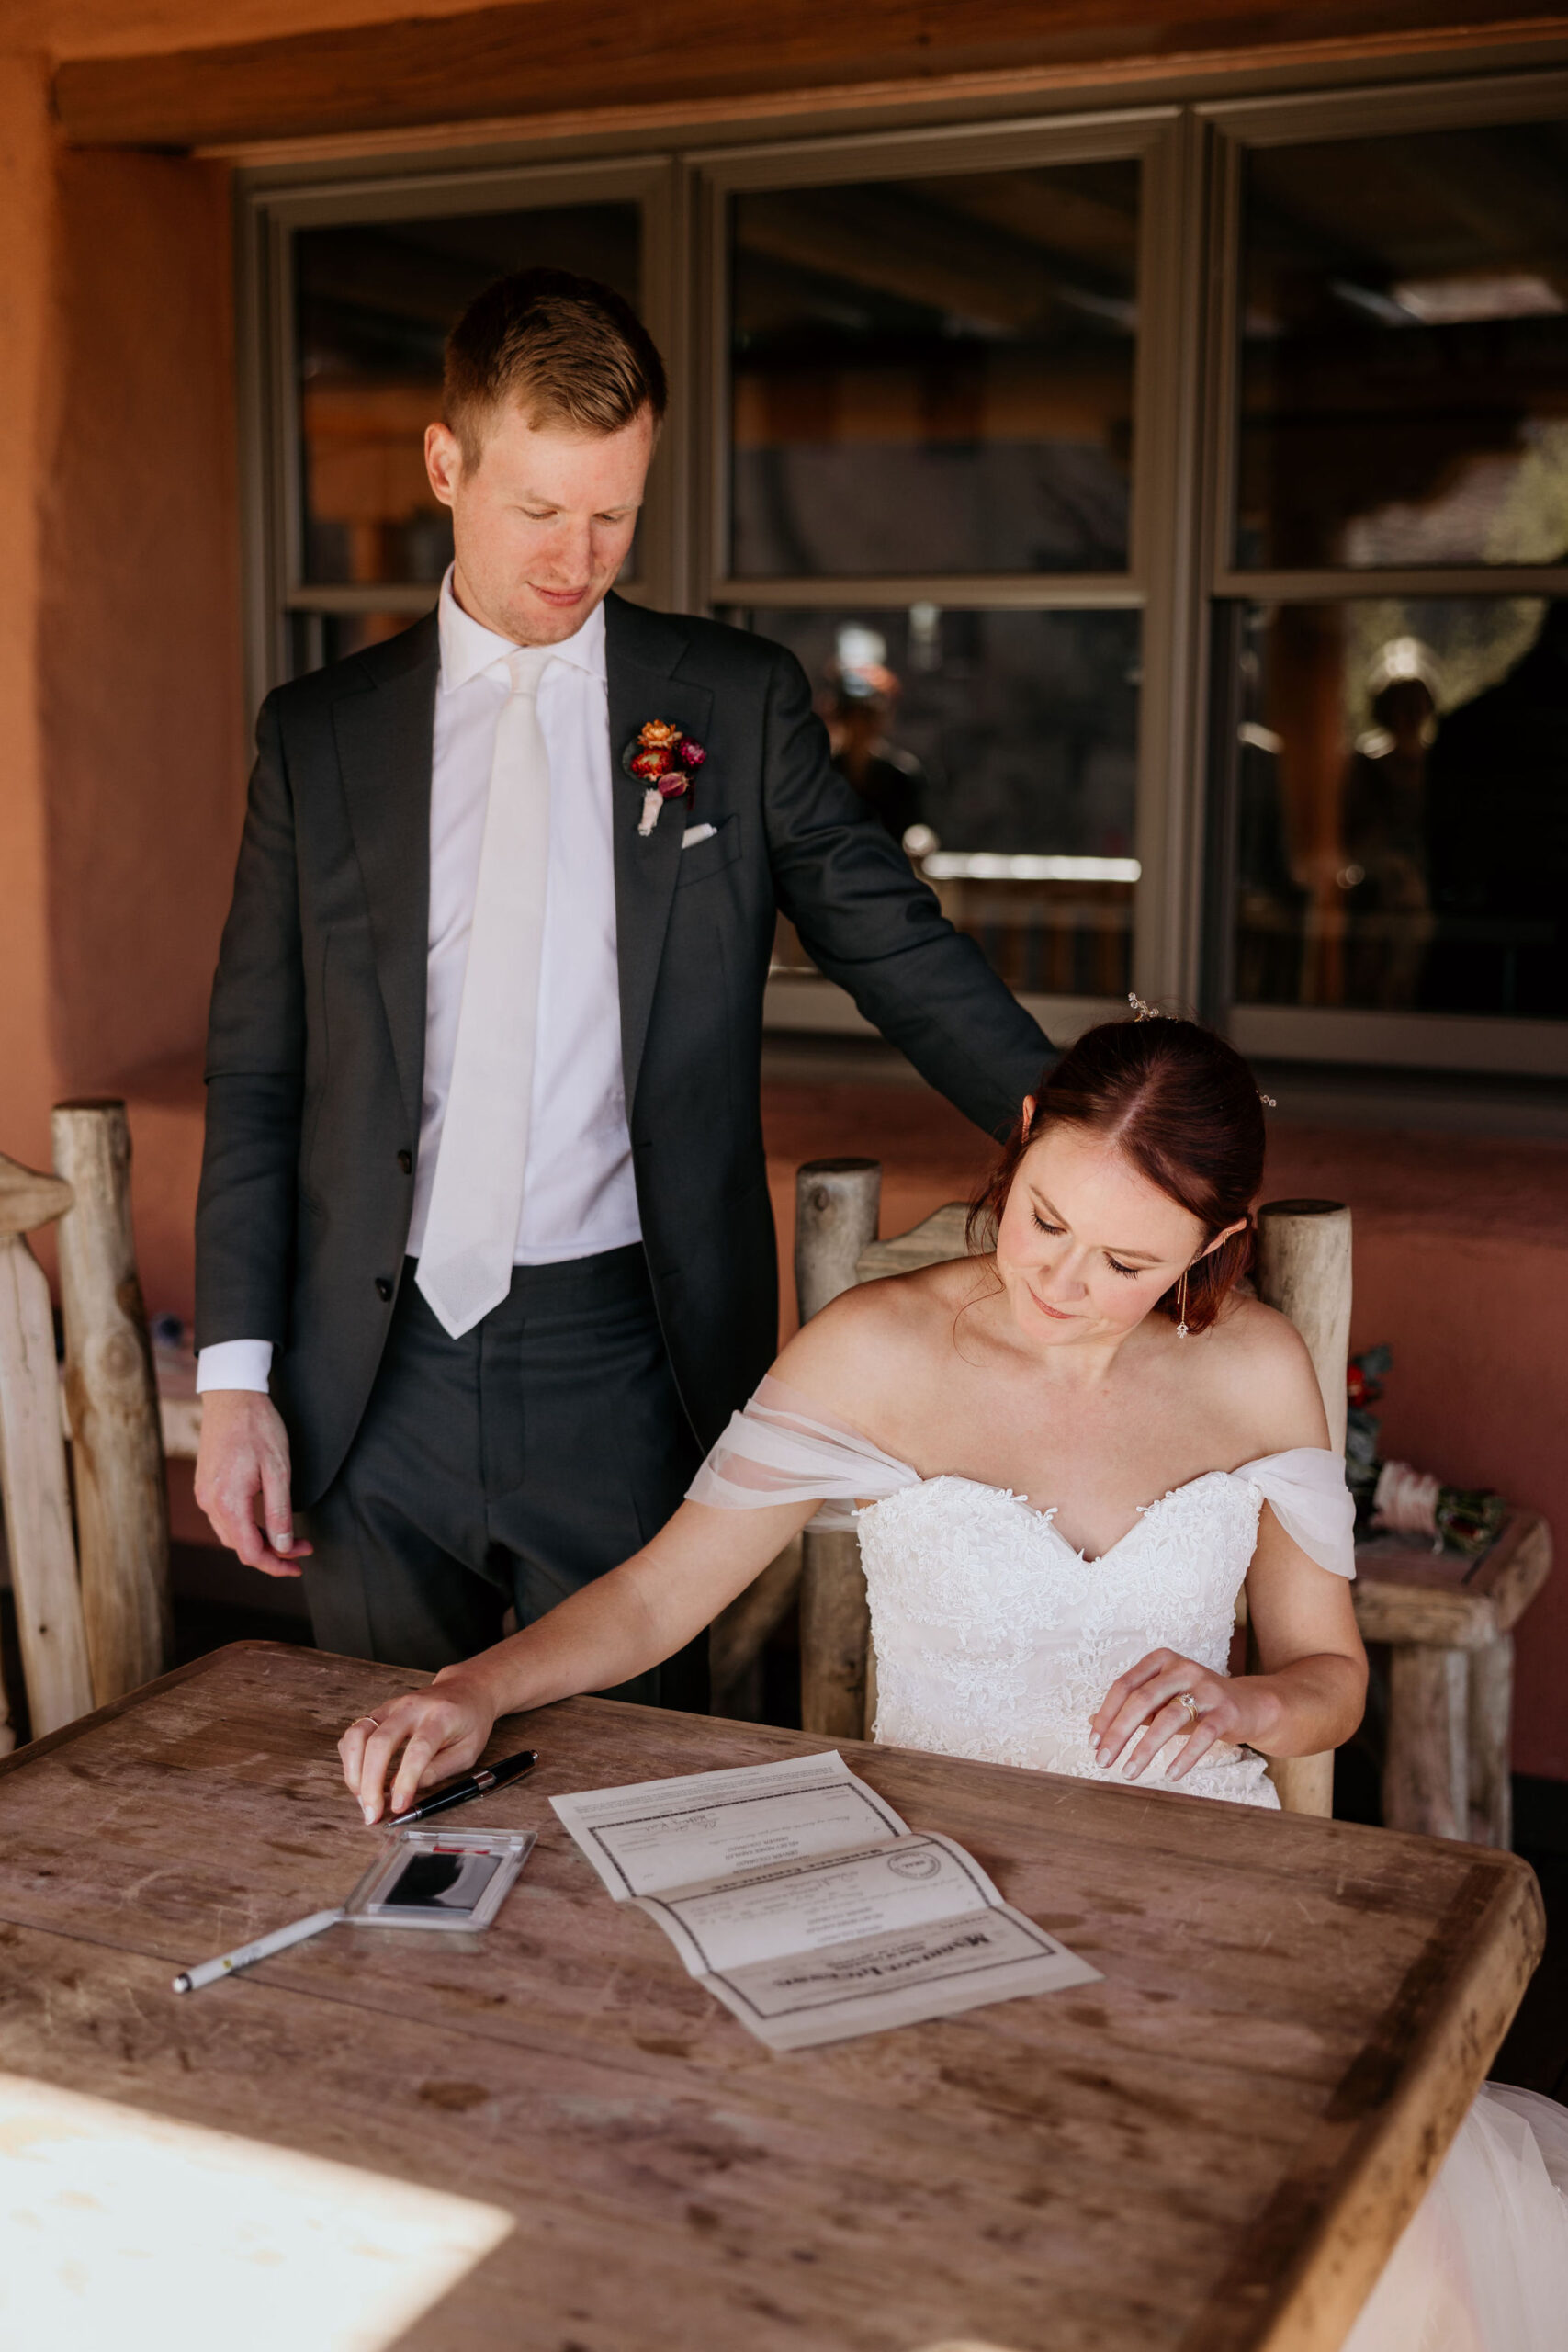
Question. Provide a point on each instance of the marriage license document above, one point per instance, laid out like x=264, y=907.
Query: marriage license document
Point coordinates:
x=798, y=1896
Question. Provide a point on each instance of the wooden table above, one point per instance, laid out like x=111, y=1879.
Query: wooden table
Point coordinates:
x=1211, y=2150
x=1450, y=1702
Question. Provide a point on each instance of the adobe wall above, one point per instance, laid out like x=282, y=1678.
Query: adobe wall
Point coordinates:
x=27, y=1066
x=121, y=730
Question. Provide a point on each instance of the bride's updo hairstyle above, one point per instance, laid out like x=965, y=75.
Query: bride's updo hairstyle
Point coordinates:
x=1182, y=1106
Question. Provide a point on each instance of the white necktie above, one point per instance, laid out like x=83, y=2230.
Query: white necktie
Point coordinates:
x=476, y=1203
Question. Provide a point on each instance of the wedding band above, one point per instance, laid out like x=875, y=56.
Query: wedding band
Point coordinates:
x=1185, y=1698
x=374, y=1721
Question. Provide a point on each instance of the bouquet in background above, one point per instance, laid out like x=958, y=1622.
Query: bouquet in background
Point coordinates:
x=1390, y=1496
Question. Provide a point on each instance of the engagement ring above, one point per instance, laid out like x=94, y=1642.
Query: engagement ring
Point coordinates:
x=1185, y=1698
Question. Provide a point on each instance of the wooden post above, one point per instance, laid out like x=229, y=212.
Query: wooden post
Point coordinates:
x=112, y=1398
x=837, y=1204
x=1303, y=1270
x=1426, y=1783
x=1490, y=1679
x=835, y=1636
x=33, y=1487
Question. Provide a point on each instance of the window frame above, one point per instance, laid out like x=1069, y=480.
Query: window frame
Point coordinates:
x=1159, y=140
x=1346, y=1035
x=270, y=476
x=1180, y=575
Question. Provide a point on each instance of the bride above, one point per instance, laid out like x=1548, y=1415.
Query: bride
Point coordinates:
x=1069, y=1454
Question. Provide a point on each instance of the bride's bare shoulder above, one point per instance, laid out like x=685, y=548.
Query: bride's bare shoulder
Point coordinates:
x=863, y=1348
x=1259, y=1361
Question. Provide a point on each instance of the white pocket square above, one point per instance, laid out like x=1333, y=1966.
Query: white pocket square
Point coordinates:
x=695, y=833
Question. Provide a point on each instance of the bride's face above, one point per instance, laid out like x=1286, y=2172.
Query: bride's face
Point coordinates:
x=1085, y=1244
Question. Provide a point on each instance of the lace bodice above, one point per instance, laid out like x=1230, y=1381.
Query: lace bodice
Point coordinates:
x=994, y=1638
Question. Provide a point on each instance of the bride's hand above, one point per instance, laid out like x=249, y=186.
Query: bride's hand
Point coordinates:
x=1145, y=1700
x=441, y=1731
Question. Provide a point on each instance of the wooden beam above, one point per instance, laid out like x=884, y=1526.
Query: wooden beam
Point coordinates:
x=528, y=60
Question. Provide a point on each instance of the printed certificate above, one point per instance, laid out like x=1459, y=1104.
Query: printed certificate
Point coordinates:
x=798, y=1896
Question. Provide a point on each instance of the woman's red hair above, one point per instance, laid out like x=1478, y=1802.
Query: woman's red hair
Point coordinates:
x=1184, y=1108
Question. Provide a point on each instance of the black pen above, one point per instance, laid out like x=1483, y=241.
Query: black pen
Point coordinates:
x=472, y=1784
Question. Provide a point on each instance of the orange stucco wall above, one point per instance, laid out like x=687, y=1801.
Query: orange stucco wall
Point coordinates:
x=138, y=651
x=26, y=251
x=121, y=730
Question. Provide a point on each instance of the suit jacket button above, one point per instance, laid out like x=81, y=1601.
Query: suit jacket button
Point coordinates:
x=383, y=1287
x=405, y=1161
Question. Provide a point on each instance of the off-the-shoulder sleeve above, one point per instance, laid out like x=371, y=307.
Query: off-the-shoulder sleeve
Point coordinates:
x=786, y=1448
x=1306, y=1489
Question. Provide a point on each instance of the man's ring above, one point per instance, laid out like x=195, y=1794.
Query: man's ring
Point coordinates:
x=1185, y=1698
x=373, y=1721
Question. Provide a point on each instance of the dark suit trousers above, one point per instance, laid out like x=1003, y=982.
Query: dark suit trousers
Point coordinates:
x=506, y=1470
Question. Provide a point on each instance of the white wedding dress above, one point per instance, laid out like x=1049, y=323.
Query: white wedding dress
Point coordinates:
x=996, y=1640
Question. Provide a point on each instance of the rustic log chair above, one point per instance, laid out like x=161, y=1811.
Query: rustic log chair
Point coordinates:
x=1303, y=1269
x=93, y=1604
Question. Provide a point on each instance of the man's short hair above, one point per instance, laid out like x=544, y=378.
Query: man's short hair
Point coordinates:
x=565, y=349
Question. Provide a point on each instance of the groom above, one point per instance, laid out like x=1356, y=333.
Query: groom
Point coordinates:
x=484, y=1202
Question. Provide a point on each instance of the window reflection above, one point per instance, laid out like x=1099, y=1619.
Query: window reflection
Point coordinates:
x=935, y=375
x=1401, y=778
x=1404, y=370
x=375, y=303
x=316, y=638
x=1000, y=747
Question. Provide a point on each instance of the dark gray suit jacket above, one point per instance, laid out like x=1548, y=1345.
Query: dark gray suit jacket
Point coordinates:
x=315, y=1052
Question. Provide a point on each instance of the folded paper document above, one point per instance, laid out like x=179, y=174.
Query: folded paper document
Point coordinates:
x=797, y=1895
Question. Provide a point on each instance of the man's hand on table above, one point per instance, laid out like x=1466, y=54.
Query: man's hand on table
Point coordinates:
x=243, y=1461
x=441, y=1731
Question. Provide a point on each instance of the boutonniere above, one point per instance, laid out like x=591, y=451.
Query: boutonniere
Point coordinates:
x=666, y=762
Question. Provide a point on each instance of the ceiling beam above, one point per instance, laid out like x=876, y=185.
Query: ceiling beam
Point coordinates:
x=530, y=58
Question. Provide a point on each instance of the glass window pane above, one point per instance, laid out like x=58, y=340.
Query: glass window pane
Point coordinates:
x=1401, y=775
x=935, y=375
x=1002, y=748
x=1404, y=364
x=316, y=638
x=375, y=304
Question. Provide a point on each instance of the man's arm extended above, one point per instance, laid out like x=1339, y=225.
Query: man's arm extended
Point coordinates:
x=244, y=1218
x=869, y=922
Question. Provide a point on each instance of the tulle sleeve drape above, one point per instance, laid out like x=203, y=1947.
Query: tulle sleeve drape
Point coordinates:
x=786, y=1448
x=1306, y=1491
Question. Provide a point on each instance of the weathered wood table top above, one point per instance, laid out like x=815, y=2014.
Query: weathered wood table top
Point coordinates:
x=1214, y=2148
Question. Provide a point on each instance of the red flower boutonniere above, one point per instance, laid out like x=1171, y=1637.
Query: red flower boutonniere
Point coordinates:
x=667, y=761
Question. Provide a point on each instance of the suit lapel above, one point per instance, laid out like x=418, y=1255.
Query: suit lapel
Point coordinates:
x=642, y=650
x=384, y=743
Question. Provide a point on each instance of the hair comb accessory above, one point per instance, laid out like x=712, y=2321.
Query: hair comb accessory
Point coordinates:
x=1141, y=1012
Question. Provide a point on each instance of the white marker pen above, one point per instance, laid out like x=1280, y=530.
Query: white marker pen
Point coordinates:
x=209, y=1970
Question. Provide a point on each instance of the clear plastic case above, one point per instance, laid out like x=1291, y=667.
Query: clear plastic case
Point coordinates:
x=453, y=1880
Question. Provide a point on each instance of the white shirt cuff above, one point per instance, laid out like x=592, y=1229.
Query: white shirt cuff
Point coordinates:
x=234, y=1363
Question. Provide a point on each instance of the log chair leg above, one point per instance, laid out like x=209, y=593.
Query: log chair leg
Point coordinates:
x=835, y=1637
x=1426, y=1780
x=37, y=1500
x=1491, y=1676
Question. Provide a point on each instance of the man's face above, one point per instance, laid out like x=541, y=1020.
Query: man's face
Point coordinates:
x=541, y=526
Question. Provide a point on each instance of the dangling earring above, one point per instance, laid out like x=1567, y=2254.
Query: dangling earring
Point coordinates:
x=1181, y=1305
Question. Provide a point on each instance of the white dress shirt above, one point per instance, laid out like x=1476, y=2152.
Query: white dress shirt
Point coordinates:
x=578, y=1192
